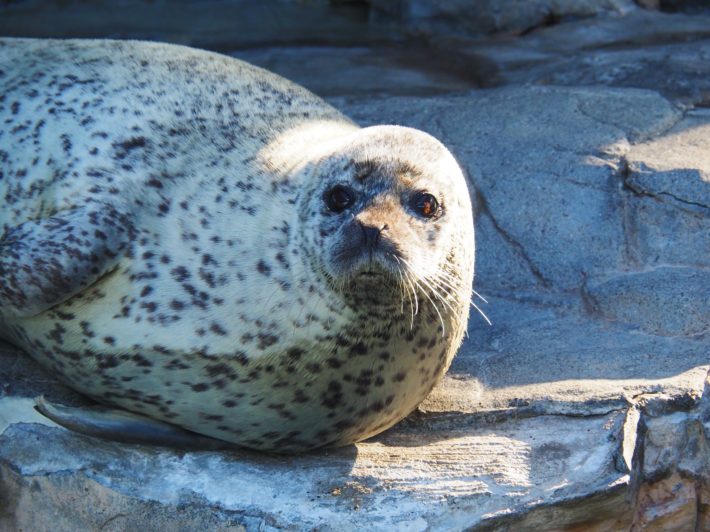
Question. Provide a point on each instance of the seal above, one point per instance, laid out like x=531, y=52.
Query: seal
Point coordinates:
x=201, y=242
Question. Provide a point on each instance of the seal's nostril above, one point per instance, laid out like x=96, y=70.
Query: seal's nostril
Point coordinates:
x=371, y=234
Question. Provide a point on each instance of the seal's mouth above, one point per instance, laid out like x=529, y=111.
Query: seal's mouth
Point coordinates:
x=370, y=278
x=369, y=274
x=364, y=275
x=366, y=264
x=373, y=285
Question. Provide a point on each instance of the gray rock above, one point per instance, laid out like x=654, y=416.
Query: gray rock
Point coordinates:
x=665, y=301
x=493, y=16
x=394, y=482
x=214, y=24
x=641, y=49
x=676, y=166
x=667, y=214
x=359, y=71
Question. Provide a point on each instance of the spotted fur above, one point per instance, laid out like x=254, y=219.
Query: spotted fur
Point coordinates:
x=165, y=244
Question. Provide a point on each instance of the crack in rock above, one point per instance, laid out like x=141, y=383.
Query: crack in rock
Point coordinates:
x=626, y=172
x=518, y=248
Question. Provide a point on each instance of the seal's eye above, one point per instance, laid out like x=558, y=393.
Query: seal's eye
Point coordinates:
x=339, y=198
x=425, y=205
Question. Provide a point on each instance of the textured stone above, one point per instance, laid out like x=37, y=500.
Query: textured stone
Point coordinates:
x=641, y=49
x=675, y=166
x=493, y=16
x=360, y=71
x=668, y=213
x=664, y=301
x=415, y=477
x=215, y=24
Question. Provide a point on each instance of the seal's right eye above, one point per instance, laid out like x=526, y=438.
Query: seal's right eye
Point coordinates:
x=339, y=198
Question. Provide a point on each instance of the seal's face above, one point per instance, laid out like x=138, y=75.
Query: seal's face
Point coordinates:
x=385, y=209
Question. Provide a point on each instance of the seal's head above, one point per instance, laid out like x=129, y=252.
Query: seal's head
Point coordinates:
x=390, y=209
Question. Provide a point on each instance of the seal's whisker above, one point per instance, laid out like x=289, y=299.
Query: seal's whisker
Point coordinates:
x=450, y=280
x=483, y=314
x=436, y=290
x=417, y=280
x=479, y=310
x=441, y=319
x=404, y=290
x=480, y=296
x=401, y=293
x=442, y=283
x=438, y=287
x=415, y=307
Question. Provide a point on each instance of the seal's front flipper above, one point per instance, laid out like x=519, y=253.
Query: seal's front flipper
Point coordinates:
x=44, y=262
x=126, y=427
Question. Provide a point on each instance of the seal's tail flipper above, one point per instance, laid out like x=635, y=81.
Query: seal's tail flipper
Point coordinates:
x=126, y=427
x=44, y=262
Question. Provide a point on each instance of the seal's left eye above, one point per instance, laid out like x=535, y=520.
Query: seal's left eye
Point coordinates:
x=425, y=205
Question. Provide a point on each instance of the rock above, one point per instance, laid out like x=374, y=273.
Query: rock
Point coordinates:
x=433, y=17
x=213, y=24
x=676, y=166
x=361, y=71
x=641, y=49
x=668, y=214
x=392, y=482
x=664, y=301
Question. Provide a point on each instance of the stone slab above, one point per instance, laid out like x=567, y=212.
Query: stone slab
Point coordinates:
x=666, y=52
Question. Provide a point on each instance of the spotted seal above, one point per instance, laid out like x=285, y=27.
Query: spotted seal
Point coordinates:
x=199, y=241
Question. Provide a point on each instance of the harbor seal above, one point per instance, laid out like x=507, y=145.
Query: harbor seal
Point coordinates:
x=201, y=242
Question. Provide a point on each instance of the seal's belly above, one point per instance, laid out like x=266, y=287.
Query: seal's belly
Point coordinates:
x=306, y=395
x=289, y=403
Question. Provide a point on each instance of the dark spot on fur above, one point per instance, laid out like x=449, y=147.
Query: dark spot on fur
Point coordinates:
x=218, y=329
x=359, y=349
x=263, y=268
x=266, y=340
x=132, y=143
x=295, y=353
x=333, y=363
x=333, y=396
x=313, y=367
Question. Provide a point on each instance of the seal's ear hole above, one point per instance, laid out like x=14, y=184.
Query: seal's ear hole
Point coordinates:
x=339, y=198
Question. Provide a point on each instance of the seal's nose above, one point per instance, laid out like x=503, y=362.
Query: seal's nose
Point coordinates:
x=372, y=233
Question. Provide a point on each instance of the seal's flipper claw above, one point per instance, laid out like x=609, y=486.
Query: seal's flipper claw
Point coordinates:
x=45, y=261
x=126, y=427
